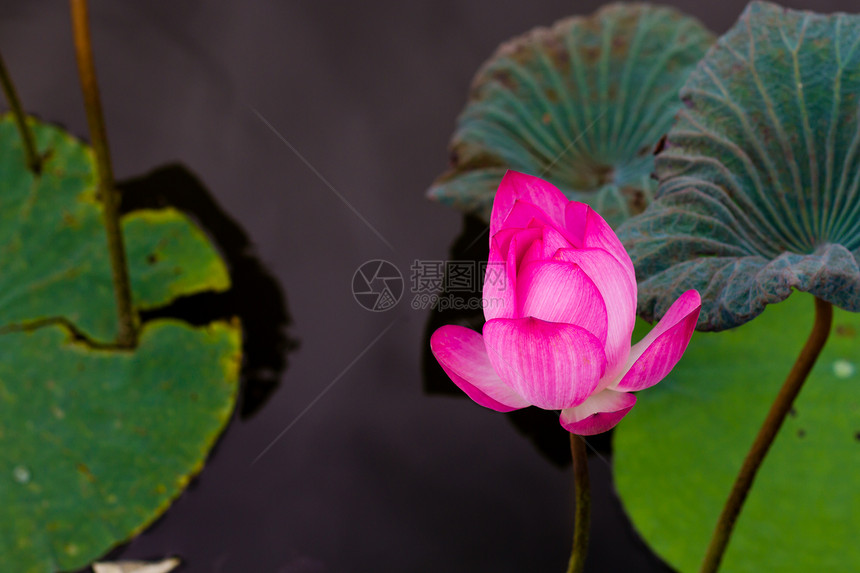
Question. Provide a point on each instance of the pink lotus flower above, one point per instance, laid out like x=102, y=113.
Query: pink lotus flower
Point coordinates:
x=560, y=317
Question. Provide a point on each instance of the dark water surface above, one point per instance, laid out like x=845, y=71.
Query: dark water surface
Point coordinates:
x=367, y=473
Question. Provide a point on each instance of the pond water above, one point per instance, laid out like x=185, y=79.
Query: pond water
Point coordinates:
x=318, y=127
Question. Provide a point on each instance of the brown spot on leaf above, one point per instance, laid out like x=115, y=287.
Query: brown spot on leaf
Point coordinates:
x=661, y=145
x=603, y=174
x=846, y=330
x=504, y=77
x=592, y=54
x=83, y=469
x=636, y=199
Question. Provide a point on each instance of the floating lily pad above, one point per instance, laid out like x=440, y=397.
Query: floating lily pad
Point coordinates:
x=53, y=250
x=678, y=452
x=582, y=104
x=96, y=442
x=759, y=175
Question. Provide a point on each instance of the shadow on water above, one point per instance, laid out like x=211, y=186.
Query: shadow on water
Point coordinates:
x=255, y=295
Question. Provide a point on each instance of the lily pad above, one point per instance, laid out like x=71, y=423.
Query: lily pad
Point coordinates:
x=53, y=250
x=677, y=453
x=96, y=441
x=759, y=175
x=96, y=444
x=582, y=104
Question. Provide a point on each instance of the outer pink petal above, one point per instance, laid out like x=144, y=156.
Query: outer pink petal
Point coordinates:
x=587, y=229
x=530, y=189
x=462, y=354
x=652, y=358
x=597, y=414
x=557, y=291
x=619, y=295
x=553, y=366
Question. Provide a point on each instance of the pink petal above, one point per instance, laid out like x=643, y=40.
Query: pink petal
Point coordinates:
x=499, y=295
x=534, y=190
x=653, y=357
x=551, y=242
x=462, y=354
x=533, y=253
x=525, y=215
x=618, y=294
x=597, y=414
x=499, y=288
x=545, y=247
x=518, y=244
x=586, y=229
x=553, y=366
x=502, y=240
x=557, y=291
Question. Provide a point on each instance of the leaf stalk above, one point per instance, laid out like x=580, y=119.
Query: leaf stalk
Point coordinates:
x=127, y=334
x=34, y=161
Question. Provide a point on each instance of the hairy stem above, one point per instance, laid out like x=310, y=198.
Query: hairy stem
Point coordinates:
x=582, y=493
x=127, y=336
x=766, y=435
x=34, y=162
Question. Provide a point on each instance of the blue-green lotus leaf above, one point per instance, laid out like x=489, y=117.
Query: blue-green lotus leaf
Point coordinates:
x=759, y=175
x=582, y=104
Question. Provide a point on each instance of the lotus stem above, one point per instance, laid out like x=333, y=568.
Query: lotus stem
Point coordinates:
x=127, y=335
x=34, y=162
x=582, y=494
x=766, y=435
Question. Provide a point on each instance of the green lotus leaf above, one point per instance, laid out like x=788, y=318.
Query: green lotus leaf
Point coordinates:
x=96, y=441
x=759, y=175
x=582, y=104
x=677, y=453
x=96, y=444
x=53, y=250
